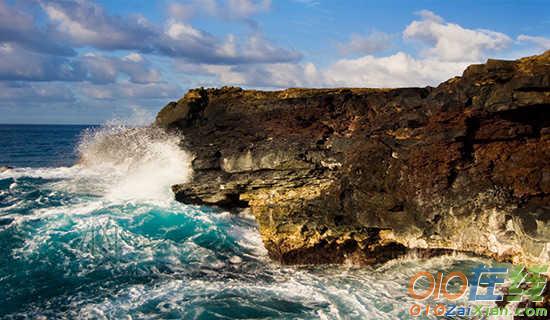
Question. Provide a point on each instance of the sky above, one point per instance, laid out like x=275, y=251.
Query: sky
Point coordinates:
x=94, y=61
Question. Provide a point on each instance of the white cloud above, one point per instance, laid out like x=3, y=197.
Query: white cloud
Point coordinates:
x=451, y=42
x=129, y=90
x=72, y=27
x=18, y=92
x=17, y=26
x=182, y=31
x=103, y=69
x=257, y=48
x=28, y=53
x=276, y=75
x=397, y=70
x=181, y=11
x=541, y=42
x=198, y=46
x=430, y=16
x=84, y=23
x=17, y=63
x=228, y=9
x=369, y=44
x=247, y=8
x=135, y=57
x=447, y=50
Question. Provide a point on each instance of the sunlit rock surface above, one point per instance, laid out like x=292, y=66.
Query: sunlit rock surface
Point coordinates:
x=364, y=175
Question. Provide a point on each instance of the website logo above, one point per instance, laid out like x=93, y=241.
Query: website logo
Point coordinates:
x=483, y=284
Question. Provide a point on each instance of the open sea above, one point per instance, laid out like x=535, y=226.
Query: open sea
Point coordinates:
x=89, y=230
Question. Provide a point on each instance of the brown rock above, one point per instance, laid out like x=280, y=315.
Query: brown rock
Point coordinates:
x=364, y=175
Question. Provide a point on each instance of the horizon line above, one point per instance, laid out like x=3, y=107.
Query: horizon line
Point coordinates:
x=49, y=124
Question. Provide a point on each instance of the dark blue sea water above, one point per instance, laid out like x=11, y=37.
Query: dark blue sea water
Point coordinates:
x=89, y=230
x=39, y=145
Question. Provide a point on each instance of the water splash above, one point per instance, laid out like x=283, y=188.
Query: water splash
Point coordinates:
x=134, y=163
x=120, y=163
x=104, y=239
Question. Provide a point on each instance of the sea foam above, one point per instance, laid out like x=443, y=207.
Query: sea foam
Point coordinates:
x=134, y=163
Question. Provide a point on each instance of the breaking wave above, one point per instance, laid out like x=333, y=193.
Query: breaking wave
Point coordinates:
x=134, y=163
x=104, y=239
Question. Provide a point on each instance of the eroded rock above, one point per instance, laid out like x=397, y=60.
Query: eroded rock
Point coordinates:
x=364, y=175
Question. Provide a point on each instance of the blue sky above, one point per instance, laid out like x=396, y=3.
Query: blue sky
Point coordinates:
x=87, y=61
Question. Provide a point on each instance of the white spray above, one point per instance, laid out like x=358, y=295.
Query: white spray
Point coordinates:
x=134, y=163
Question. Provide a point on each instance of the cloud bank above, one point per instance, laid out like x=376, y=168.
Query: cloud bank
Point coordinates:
x=445, y=49
x=77, y=54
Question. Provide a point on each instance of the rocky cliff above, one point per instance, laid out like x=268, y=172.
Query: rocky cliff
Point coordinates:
x=365, y=175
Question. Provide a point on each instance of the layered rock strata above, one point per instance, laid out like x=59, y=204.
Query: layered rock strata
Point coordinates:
x=365, y=175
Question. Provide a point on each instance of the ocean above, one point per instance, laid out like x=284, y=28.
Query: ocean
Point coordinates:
x=89, y=230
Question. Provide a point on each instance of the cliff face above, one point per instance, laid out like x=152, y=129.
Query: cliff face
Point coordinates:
x=368, y=174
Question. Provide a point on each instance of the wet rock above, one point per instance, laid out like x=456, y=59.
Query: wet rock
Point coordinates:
x=364, y=175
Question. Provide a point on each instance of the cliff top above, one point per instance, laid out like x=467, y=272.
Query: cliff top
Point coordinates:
x=493, y=72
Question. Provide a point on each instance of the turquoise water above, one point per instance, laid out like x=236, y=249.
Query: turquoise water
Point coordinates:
x=88, y=229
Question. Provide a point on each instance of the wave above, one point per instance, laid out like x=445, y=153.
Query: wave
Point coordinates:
x=105, y=239
x=121, y=163
x=137, y=163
